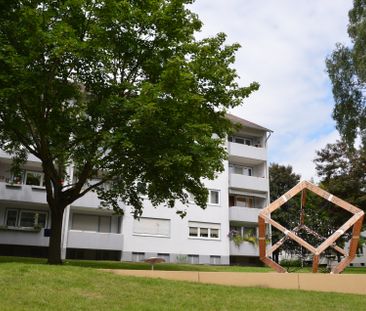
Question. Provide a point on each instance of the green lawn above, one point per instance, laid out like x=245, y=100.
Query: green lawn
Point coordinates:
x=163, y=266
x=29, y=284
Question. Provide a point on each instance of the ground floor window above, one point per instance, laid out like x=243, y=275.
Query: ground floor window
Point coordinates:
x=193, y=259
x=215, y=260
x=137, y=256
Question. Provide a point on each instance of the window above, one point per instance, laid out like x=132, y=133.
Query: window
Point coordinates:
x=215, y=260
x=193, y=259
x=241, y=170
x=241, y=140
x=244, y=231
x=193, y=231
x=25, y=218
x=136, y=256
x=166, y=257
x=242, y=201
x=214, y=197
x=152, y=226
x=11, y=218
x=32, y=218
x=95, y=223
x=214, y=233
x=204, y=230
x=34, y=178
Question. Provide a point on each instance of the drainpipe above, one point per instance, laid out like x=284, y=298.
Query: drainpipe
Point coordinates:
x=65, y=221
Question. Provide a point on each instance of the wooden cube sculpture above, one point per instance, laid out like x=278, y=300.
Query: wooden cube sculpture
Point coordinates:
x=355, y=221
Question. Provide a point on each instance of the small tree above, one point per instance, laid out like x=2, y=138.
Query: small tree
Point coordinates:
x=116, y=88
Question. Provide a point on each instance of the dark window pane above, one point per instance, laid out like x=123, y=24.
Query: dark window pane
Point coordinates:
x=11, y=218
x=26, y=219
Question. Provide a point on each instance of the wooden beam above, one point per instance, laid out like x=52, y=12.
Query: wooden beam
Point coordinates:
x=315, y=263
x=332, y=198
x=303, y=200
x=328, y=242
x=320, y=237
x=270, y=263
x=281, y=241
x=262, y=236
x=284, y=198
x=291, y=235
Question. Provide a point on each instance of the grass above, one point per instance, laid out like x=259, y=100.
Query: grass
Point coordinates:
x=29, y=284
x=163, y=266
x=138, y=265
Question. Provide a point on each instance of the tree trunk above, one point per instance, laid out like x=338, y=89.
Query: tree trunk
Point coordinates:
x=54, y=249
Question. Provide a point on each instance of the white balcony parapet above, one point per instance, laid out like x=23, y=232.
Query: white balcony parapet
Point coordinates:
x=246, y=214
x=245, y=249
x=245, y=151
x=22, y=193
x=94, y=240
x=248, y=182
x=24, y=237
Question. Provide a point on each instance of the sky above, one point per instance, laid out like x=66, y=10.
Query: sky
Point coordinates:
x=284, y=47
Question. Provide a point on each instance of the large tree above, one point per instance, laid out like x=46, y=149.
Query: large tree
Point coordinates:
x=347, y=70
x=119, y=89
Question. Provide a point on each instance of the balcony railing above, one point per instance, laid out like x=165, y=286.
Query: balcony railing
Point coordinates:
x=245, y=151
x=245, y=249
x=22, y=193
x=247, y=214
x=94, y=240
x=248, y=182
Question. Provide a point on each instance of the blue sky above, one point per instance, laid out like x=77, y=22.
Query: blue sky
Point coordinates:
x=284, y=46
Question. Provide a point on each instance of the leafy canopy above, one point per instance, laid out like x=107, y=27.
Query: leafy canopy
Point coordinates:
x=346, y=67
x=119, y=89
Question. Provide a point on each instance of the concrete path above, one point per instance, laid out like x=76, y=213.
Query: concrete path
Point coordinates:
x=340, y=283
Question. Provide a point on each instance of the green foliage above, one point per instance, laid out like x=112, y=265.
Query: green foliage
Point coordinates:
x=120, y=89
x=282, y=179
x=342, y=172
x=248, y=236
x=347, y=70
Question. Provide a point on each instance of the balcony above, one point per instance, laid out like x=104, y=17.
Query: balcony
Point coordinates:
x=22, y=193
x=23, y=237
x=246, y=214
x=248, y=182
x=94, y=240
x=245, y=249
x=238, y=151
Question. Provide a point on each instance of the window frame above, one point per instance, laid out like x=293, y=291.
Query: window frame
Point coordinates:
x=168, y=236
x=99, y=223
x=25, y=178
x=16, y=217
x=21, y=211
x=206, y=226
x=218, y=197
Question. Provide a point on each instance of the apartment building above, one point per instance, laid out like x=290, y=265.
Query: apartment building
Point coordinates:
x=90, y=232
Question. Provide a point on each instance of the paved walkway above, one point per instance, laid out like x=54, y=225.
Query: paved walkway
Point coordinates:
x=341, y=283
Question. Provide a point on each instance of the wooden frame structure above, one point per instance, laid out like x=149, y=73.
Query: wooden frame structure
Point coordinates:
x=265, y=217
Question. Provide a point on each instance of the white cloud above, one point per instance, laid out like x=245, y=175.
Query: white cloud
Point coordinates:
x=285, y=44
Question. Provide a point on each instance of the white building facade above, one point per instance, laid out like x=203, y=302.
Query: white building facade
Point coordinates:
x=235, y=198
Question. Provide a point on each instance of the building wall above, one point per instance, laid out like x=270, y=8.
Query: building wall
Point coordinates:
x=177, y=245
